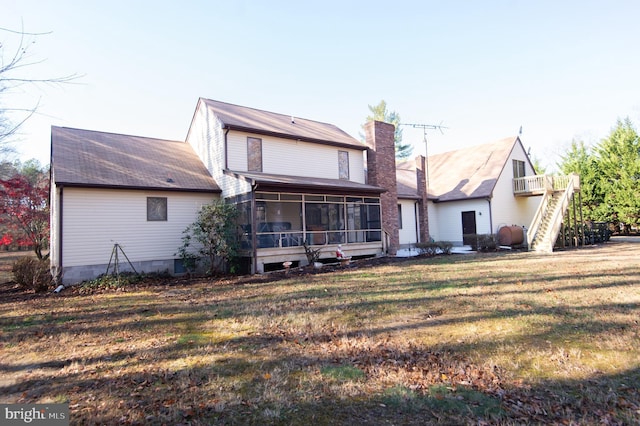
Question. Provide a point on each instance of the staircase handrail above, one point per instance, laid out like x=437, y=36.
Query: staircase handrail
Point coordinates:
x=537, y=219
x=560, y=182
x=541, y=210
x=562, y=206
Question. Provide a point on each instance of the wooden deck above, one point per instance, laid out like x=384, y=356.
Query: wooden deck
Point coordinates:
x=530, y=186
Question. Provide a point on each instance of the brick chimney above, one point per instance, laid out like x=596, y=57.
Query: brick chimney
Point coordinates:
x=423, y=211
x=381, y=171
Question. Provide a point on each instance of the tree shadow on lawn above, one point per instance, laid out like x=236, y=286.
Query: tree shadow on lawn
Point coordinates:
x=275, y=377
x=240, y=390
x=160, y=301
x=401, y=384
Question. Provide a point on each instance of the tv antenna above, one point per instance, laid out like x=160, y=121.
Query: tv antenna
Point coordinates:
x=424, y=128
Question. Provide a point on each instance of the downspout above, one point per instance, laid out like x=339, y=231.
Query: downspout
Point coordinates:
x=416, y=213
x=59, y=237
x=58, y=268
x=490, y=216
x=226, y=160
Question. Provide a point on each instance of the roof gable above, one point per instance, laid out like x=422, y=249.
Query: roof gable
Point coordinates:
x=267, y=123
x=470, y=172
x=99, y=159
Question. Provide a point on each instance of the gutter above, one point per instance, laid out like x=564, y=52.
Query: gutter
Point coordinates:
x=137, y=187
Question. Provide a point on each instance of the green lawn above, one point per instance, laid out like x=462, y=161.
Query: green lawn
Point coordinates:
x=503, y=338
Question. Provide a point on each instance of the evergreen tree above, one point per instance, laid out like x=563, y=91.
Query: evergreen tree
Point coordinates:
x=380, y=113
x=619, y=161
x=609, y=175
x=580, y=160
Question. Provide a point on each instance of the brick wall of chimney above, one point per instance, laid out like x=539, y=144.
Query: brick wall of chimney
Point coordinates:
x=381, y=171
x=423, y=212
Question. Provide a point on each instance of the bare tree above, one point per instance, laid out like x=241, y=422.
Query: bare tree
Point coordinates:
x=12, y=66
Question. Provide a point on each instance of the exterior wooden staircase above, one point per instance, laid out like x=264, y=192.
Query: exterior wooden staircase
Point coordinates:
x=557, y=195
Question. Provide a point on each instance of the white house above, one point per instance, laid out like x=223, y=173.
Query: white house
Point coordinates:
x=470, y=191
x=294, y=180
x=108, y=189
x=296, y=183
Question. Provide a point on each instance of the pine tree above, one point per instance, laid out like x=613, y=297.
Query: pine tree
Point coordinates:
x=580, y=160
x=619, y=165
x=380, y=113
x=609, y=175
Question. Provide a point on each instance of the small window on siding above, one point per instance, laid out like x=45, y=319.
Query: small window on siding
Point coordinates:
x=254, y=154
x=343, y=165
x=518, y=168
x=156, y=208
x=399, y=216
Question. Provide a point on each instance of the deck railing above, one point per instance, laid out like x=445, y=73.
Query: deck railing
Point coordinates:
x=571, y=183
x=532, y=184
x=541, y=184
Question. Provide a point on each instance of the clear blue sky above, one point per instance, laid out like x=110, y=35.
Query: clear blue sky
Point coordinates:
x=560, y=69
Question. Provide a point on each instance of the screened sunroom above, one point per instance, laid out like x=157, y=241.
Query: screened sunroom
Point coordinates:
x=275, y=226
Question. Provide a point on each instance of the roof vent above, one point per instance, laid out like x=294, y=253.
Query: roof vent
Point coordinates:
x=293, y=120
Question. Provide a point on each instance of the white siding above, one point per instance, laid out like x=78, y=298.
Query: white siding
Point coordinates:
x=434, y=230
x=408, y=232
x=294, y=158
x=279, y=156
x=206, y=136
x=506, y=208
x=449, y=219
x=95, y=219
x=445, y=219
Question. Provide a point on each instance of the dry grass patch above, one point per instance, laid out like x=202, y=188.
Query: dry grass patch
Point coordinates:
x=499, y=338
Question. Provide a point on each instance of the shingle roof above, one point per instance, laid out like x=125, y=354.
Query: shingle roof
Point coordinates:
x=406, y=180
x=267, y=181
x=98, y=159
x=471, y=172
x=253, y=120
